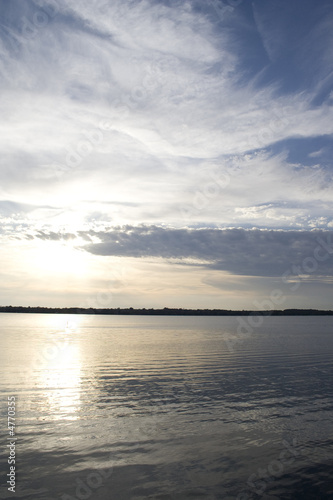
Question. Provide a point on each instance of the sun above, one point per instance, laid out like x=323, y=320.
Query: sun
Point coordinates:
x=55, y=257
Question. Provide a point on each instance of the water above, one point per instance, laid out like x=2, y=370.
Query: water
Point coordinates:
x=135, y=407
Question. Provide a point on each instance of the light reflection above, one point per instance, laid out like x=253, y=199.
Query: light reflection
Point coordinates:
x=60, y=377
x=62, y=323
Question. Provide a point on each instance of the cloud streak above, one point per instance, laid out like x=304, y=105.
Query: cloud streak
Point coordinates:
x=238, y=251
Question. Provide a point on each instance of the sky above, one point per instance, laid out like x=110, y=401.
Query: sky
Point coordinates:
x=166, y=153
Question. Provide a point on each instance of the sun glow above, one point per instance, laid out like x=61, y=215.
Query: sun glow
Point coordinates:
x=59, y=258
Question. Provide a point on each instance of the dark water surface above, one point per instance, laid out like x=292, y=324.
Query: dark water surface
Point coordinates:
x=137, y=407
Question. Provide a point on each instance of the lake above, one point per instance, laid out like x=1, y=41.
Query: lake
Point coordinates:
x=152, y=407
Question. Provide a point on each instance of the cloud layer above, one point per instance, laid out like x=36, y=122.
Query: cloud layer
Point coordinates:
x=157, y=129
x=238, y=251
x=143, y=101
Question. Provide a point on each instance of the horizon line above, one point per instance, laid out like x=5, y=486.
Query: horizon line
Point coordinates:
x=161, y=311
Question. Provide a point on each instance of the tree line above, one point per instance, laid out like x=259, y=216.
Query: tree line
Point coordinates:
x=166, y=311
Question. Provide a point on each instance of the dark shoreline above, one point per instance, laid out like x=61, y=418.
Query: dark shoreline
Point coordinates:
x=163, y=312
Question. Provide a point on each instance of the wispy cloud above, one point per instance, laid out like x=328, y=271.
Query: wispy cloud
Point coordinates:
x=122, y=113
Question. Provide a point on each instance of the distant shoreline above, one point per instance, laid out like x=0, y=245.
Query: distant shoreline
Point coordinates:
x=163, y=312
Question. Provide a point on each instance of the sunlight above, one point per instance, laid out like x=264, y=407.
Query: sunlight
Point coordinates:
x=58, y=258
x=64, y=324
x=61, y=379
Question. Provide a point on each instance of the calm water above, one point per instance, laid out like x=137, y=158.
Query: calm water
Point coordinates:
x=120, y=407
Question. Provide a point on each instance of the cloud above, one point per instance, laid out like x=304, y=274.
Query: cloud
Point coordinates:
x=54, y=236
x=8, y=207
x=141, y=128
x=158, y=84
x=238, y=251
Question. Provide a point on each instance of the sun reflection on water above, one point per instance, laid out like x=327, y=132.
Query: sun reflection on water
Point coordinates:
x=60, y=376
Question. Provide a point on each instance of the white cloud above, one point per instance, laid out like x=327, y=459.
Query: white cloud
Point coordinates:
x=140, y=112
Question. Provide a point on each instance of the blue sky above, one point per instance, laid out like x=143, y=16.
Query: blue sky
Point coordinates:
x=174, y=153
